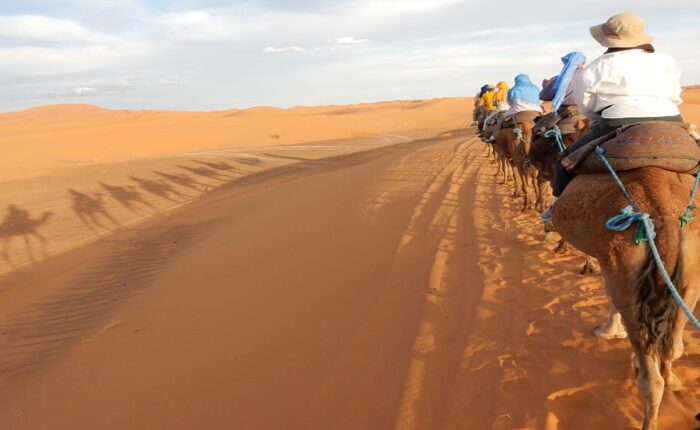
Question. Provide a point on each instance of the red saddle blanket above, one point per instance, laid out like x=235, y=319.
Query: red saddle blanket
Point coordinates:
x=663, y=144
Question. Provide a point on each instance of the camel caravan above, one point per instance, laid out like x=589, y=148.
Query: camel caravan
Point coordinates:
x=613, y=169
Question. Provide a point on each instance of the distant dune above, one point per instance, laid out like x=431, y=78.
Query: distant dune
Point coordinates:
x=41, y=140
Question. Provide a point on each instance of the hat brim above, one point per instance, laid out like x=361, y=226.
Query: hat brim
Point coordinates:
x=598, y=33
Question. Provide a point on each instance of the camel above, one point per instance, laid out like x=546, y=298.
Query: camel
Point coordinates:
x=640, y=303
x=502, y=158
x=515, y=144
x=544, y=154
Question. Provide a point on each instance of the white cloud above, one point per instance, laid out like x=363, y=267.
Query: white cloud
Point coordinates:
x=222, y=53
x=272, y=49
x=36, y=28
x=199, y=26
x=388, y=8
x=350, y=41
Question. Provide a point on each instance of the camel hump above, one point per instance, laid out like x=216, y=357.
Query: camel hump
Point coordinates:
x=663, y=144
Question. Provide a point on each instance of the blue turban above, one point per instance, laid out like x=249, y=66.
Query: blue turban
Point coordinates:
x=572, y=61
x=525, y=91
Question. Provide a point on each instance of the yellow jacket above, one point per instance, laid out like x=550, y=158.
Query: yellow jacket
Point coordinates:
x=502, y=95
x=487, y=101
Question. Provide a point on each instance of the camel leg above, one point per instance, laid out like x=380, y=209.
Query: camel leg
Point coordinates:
x=542, y=192
x=536, y=189
x=590, y=267
x=86, y=219
x=6, y=252
x=525, y=187
x=562, y=247
x=42, y=243
x=690, y=297
x=650, y=383
x=518, y=186
x=503, y=164
x=613, y=328
x=28, y=246
x=620, y=287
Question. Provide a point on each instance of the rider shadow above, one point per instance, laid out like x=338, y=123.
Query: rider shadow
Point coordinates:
x=91, y=210
x=206, y=172
x=289, y=157
x=181, y=180
x=129, y=198
x=221, y=166
x=250, y=161
x=18, y=222
x=158, y=187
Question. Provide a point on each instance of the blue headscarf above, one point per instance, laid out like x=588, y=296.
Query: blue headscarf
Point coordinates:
x=525, y=91
x=572, y=61
x=483, y=90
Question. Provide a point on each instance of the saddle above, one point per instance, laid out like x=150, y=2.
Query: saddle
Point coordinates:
x=566, y=118
x=521, y=118
x=663, y=144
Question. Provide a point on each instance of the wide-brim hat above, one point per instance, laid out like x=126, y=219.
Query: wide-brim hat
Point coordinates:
x=625, y=30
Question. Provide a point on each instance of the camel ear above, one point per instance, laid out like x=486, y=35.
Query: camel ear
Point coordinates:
x=581, y=124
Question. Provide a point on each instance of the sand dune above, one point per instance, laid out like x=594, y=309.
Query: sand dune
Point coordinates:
x=360, y=270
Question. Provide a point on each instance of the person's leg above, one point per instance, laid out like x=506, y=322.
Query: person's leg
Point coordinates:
x=562, y=177
x=487, y=121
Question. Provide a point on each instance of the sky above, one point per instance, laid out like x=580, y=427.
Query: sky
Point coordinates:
x=215, y=54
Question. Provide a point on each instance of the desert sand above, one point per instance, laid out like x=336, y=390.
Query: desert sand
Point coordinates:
x=309, y=268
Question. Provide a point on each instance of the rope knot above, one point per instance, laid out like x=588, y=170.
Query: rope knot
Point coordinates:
x=519, y=134
x=687, y=215
x=629, y=216
x=558, y=139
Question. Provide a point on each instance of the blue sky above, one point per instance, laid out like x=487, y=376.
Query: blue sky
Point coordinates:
x=214, y=54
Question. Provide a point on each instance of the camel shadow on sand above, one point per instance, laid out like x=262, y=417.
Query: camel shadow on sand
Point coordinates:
x=90, y=209
x=19, y=223
x=158, y=187
x=130, y=198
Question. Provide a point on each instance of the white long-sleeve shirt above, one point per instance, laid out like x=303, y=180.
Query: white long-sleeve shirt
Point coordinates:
x=630, y=84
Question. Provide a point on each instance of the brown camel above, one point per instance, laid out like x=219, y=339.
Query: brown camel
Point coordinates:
x=515, y=143
x=641, y=305
x=543, y=155
x=502, y=156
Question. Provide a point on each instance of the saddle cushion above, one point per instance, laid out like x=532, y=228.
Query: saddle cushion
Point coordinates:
x=546, y=122
x=570, y=124
x=521, y=118
x=662, y=144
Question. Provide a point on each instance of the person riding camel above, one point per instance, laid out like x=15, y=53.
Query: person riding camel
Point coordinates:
x=629, y=83
x=500, y=101
x=487, y=99
x=478, y=105
x=560, y=89
x=523, y=97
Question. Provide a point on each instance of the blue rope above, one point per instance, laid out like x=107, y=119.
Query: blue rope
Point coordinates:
x=688, y=214
x=556, y=132
x=518, y=134
x=632, y=214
